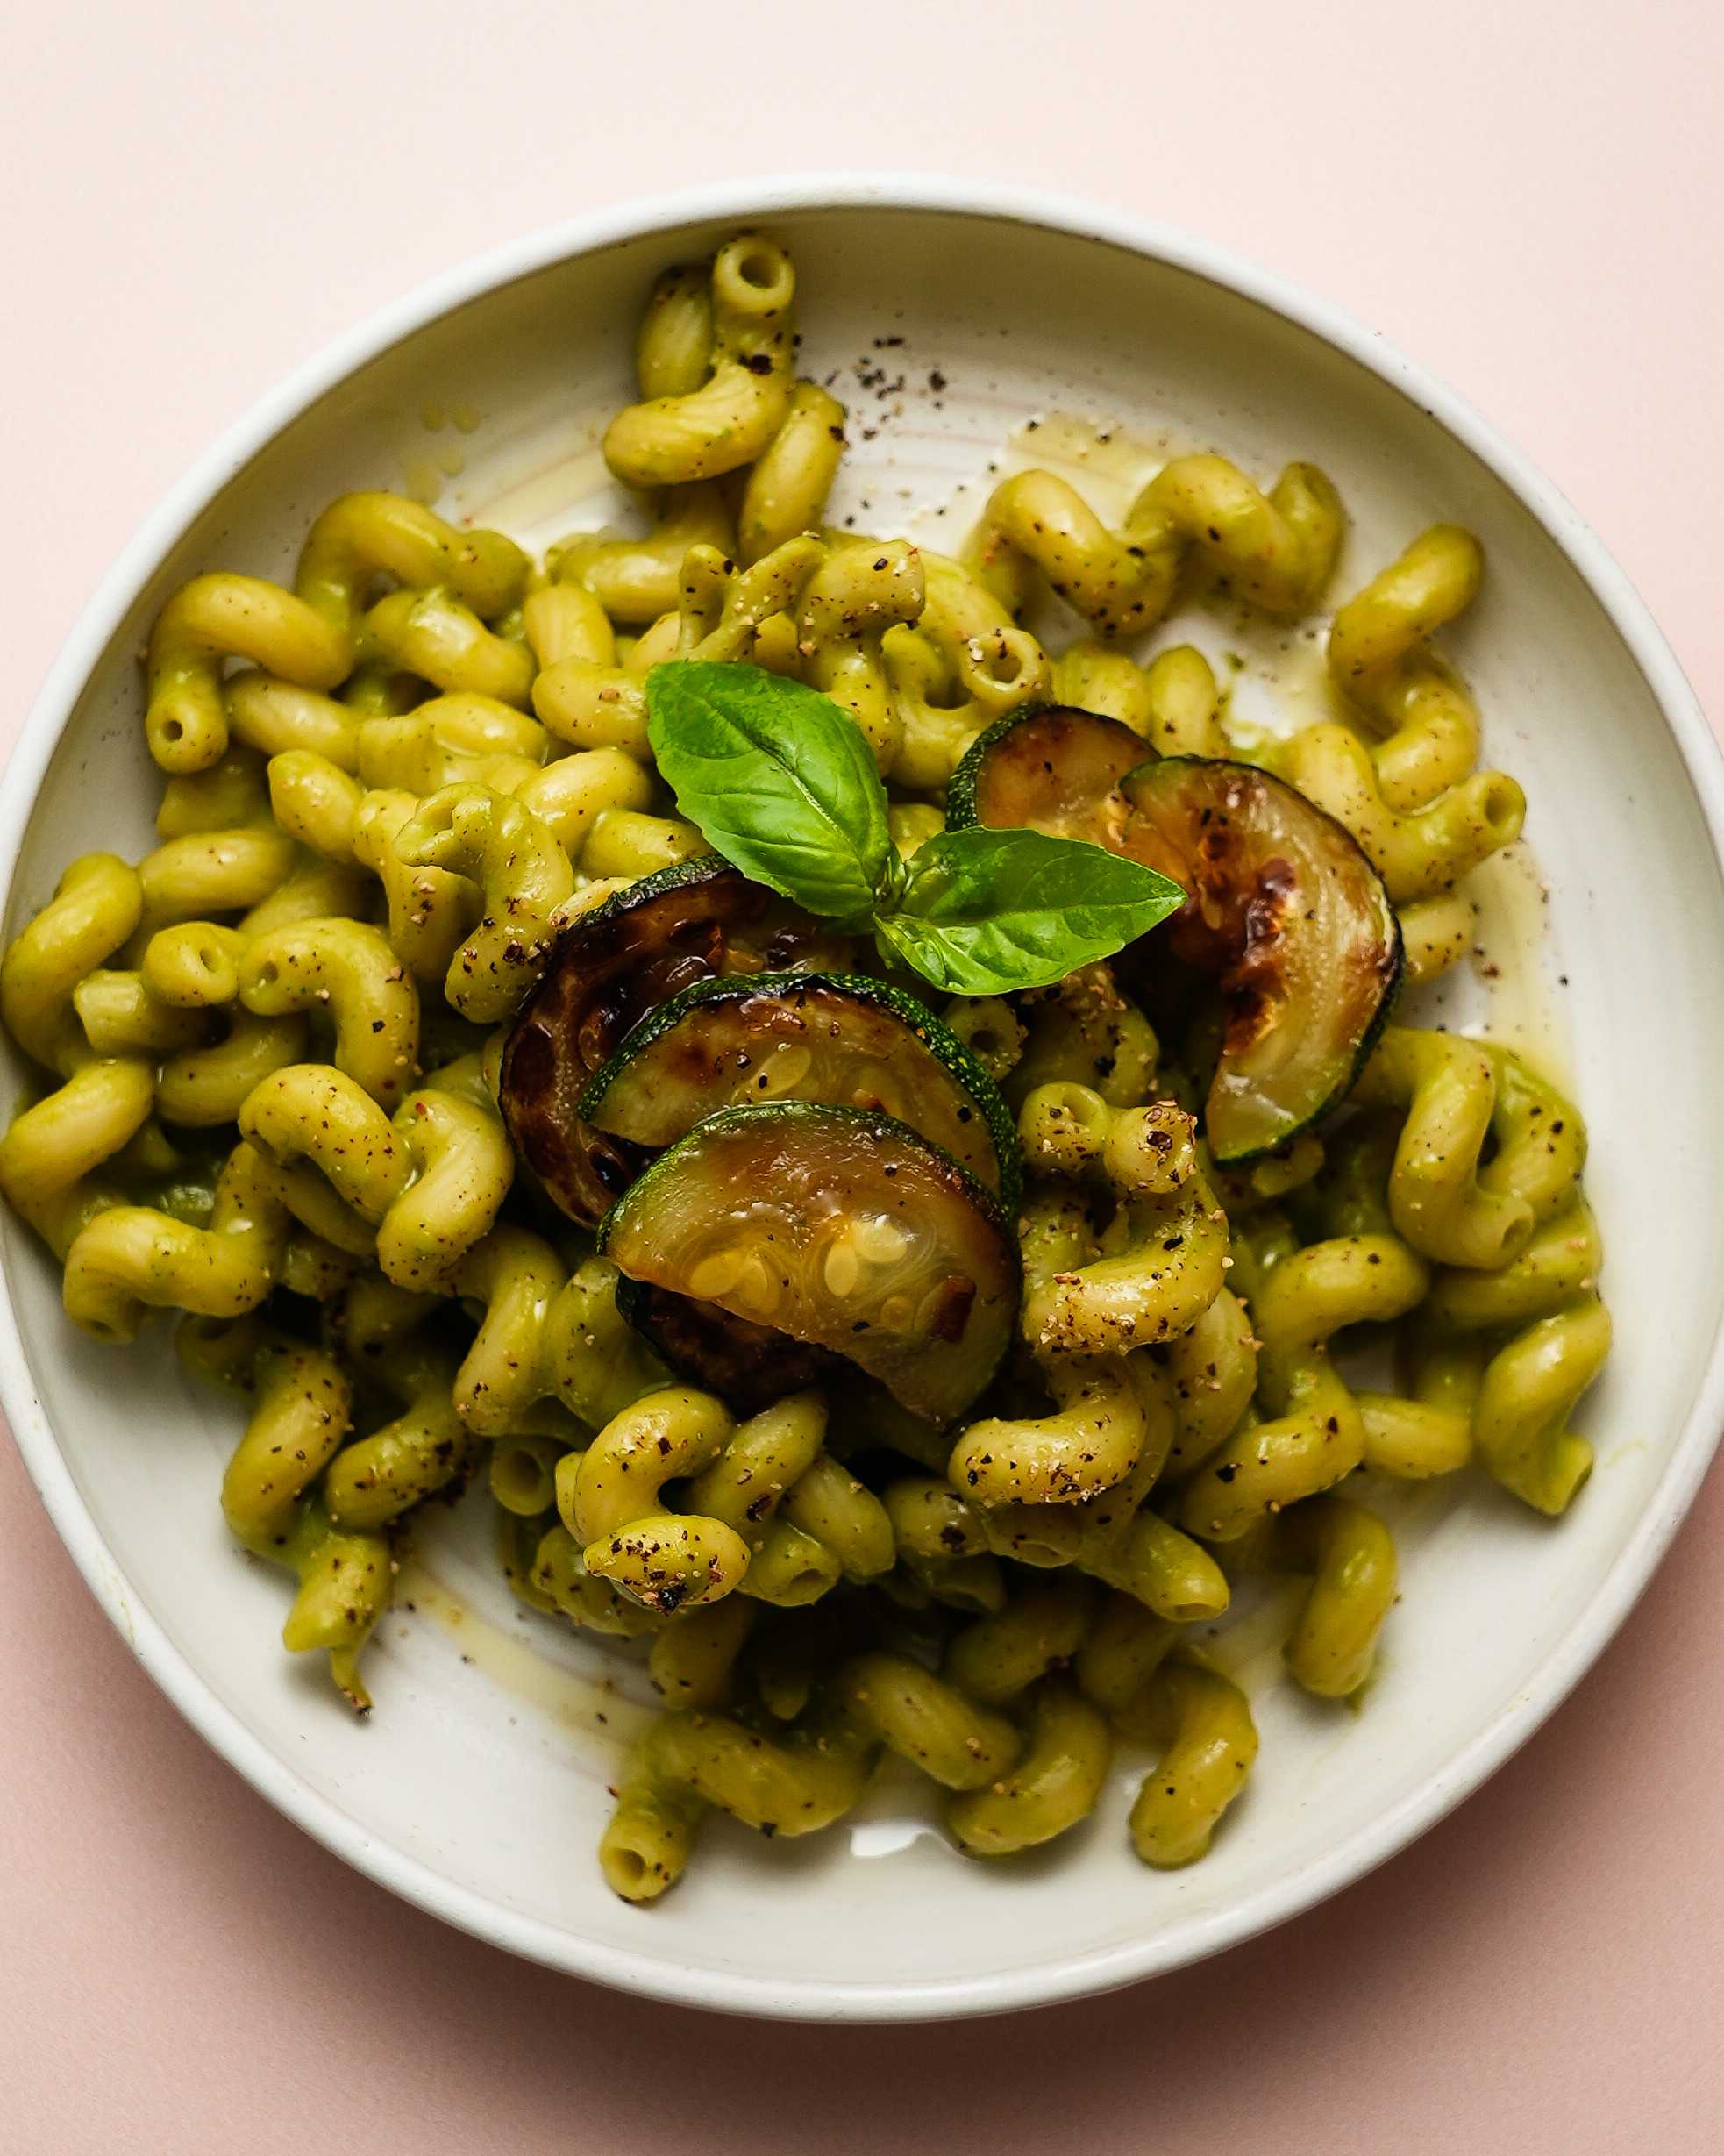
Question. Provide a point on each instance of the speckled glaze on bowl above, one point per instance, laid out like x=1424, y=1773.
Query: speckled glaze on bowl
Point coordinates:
x=477, y=1790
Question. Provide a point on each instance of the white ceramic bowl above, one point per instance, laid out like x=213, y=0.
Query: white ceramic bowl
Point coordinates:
x=477, y=1790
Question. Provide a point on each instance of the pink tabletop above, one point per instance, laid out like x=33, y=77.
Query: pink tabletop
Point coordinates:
x=1525, y=194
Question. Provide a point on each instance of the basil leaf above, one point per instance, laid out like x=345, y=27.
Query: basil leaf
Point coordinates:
x=987, y=911
x=779, y=780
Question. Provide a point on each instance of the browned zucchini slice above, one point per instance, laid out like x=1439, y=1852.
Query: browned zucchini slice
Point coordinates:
x=855, y=1042
x=845, y=1230
x=1050, y=767
x=1295, y=923
x=610, y=966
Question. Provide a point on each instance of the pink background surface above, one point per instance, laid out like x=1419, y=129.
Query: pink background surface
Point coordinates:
x=1527, y=197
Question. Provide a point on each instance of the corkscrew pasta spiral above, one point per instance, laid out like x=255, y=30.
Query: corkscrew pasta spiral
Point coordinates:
x=301, y=1414
x=1276, y=550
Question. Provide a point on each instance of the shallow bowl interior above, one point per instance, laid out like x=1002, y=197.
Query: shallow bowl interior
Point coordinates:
x=478, y=1787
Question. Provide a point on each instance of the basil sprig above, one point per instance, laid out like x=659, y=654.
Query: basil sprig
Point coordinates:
x=783, y=784
x=780, y=782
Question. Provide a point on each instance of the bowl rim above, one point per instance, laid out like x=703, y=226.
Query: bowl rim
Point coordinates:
x=1065, y=1977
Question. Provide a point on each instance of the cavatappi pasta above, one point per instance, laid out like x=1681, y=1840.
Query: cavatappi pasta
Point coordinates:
x=266, y=1064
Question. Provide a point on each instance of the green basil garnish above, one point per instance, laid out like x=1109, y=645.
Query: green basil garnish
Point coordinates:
x=783, y=784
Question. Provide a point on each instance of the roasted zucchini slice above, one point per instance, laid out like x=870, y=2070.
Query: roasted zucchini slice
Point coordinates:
x=1294, y=922
x=839, y=1037
x=1050, y=767
x=610, y=966
x=845, y=1230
